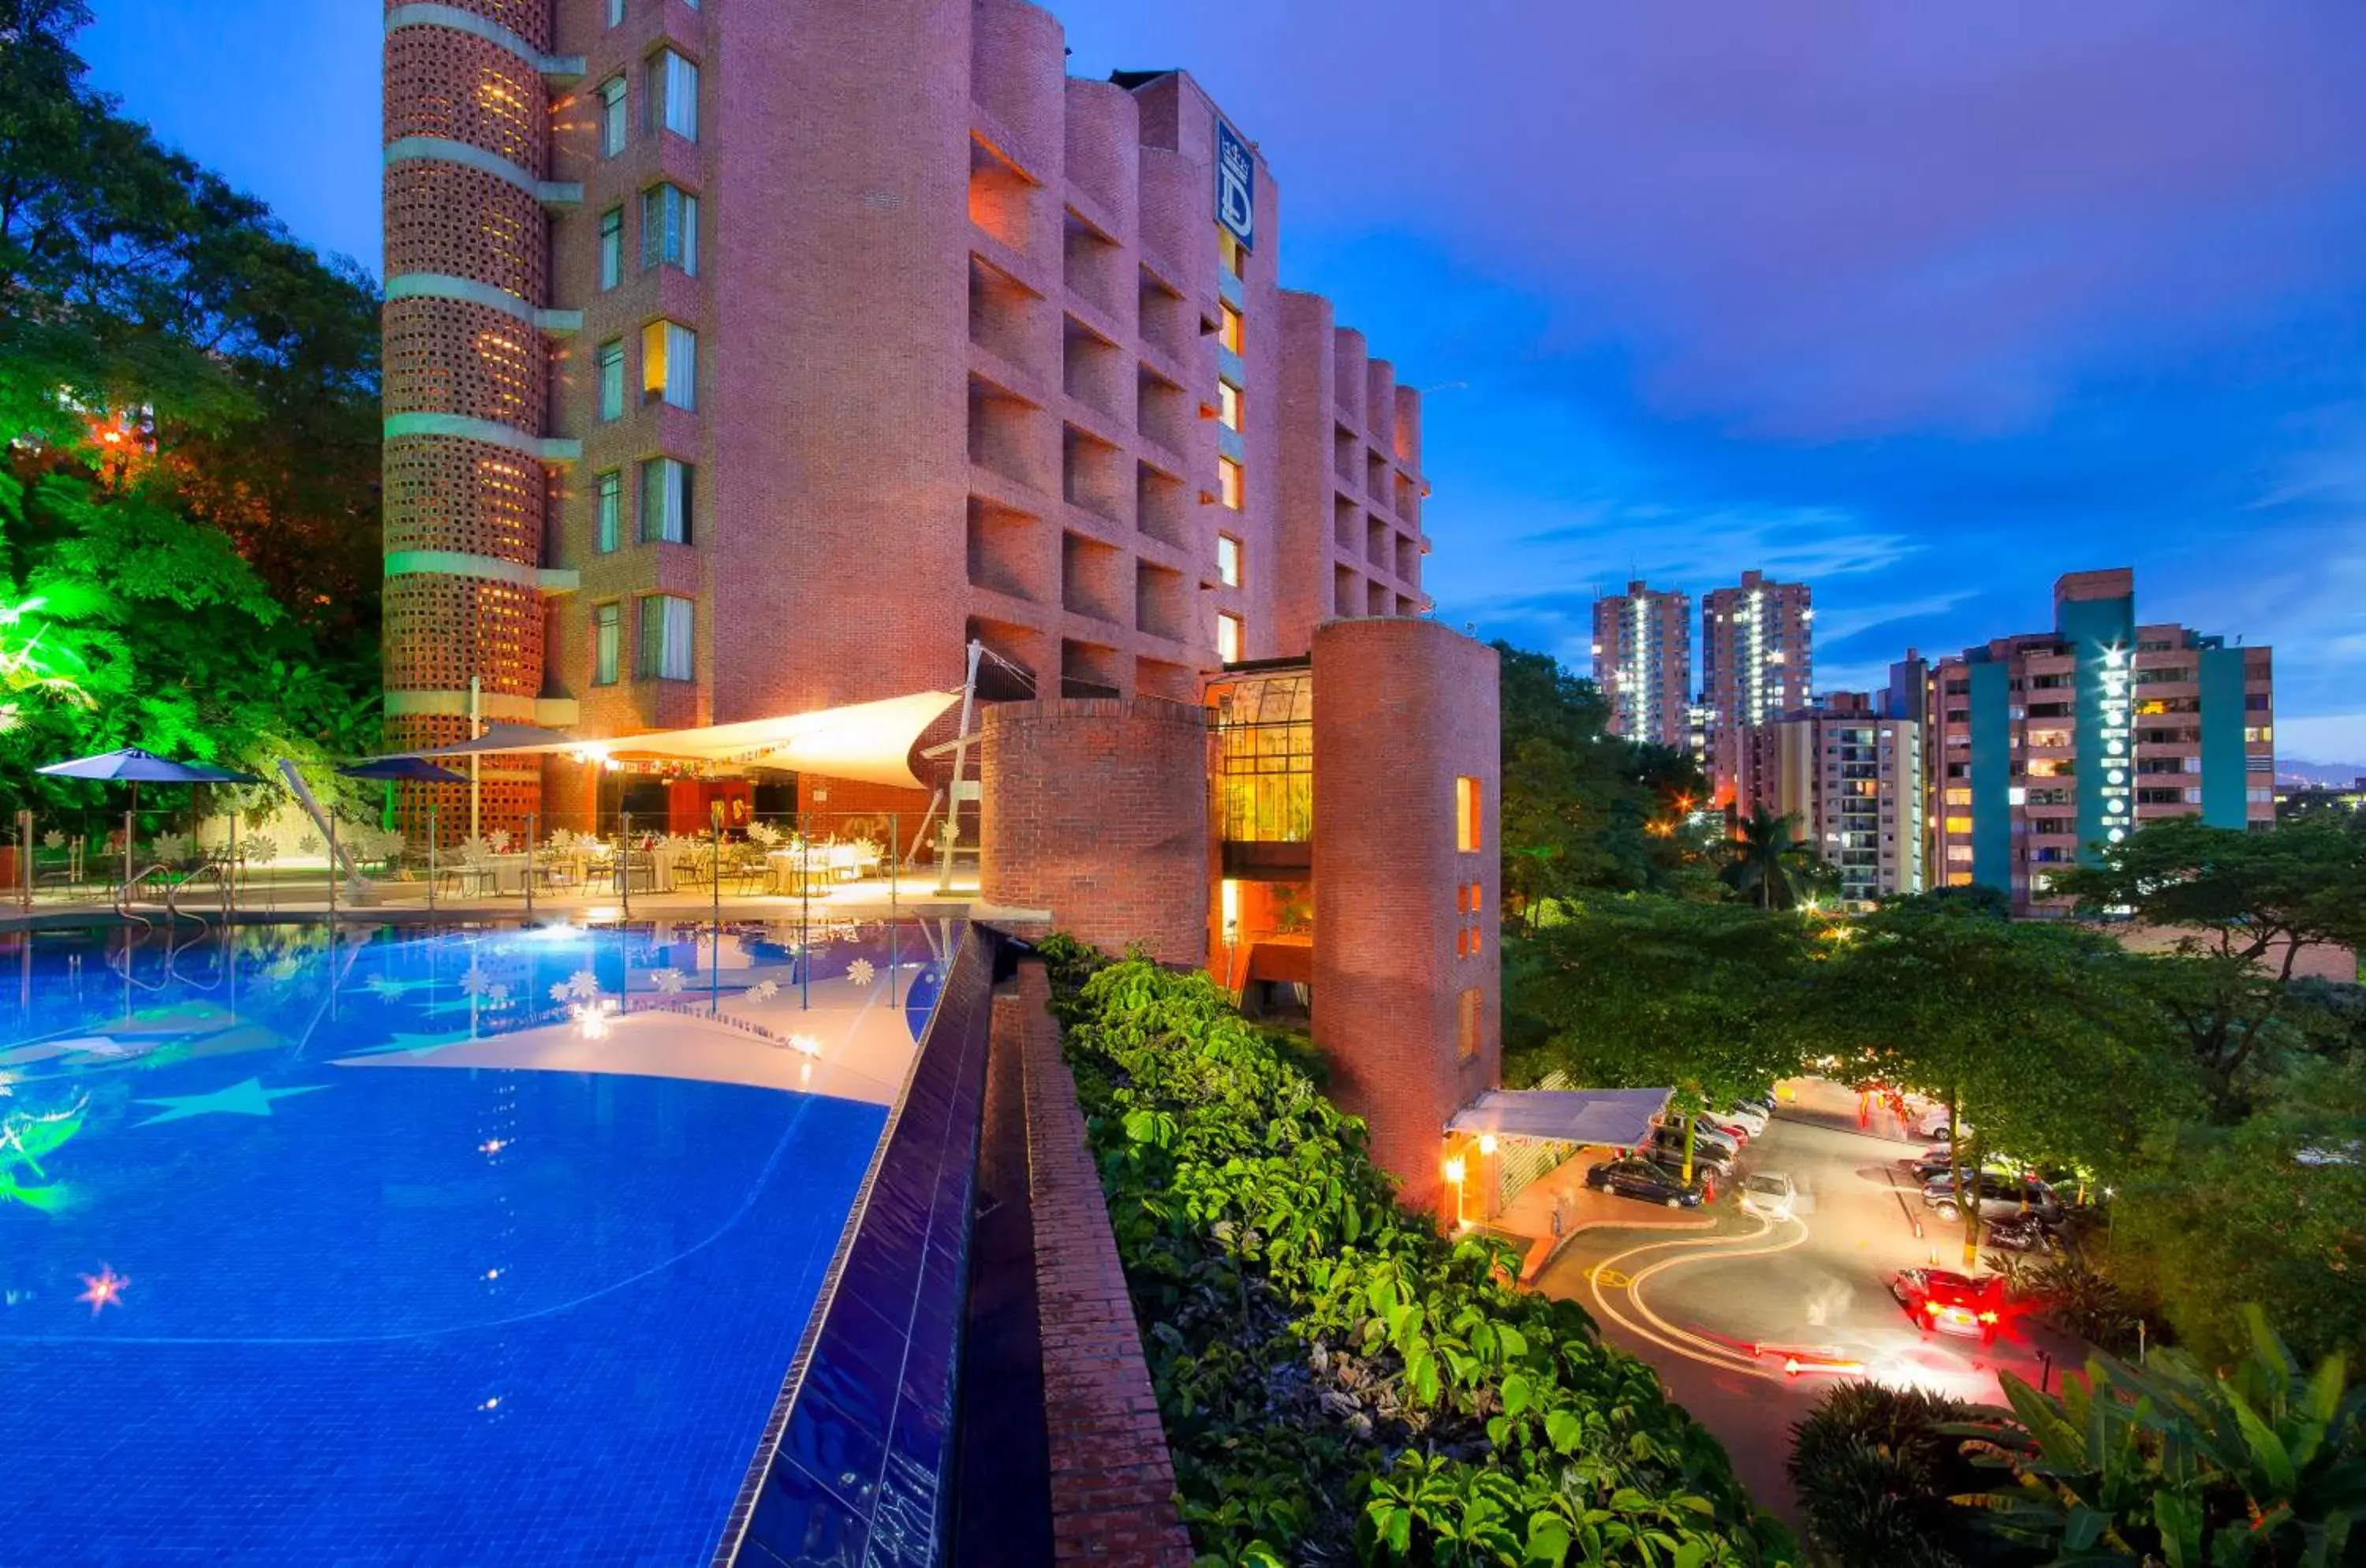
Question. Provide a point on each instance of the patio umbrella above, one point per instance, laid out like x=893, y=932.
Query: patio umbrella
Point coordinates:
x=136, y=767
x=404, y=770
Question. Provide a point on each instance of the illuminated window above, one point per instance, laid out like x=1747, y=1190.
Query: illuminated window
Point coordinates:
x=1264, y=757
x=673, y=95
x=1228, y=560
x=1466, y=1023
x=615, y=13
x=1228, y=405
x=1478, y=899
x=666, y=502
x=2258, y=732
x=1959, y=854
x=1959, y=797
x=1959, y=879
x=1235, y=255
x=1231, y=484
x=609, y=509
x=666, y=638
x=608, y=370
x=1959, y=825
x=669, y=364
x=1232, y=329
x=1469, y=828
x=669, y=229
x=611, y=93
x=612, y=248
x=607, y=638
x=1229, y=635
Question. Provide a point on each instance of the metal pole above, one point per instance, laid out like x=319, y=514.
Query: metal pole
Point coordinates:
x=431, y=862
x=894, y=837
x=804, y=863
x=333, y=881
x=715, y=874
x=950, y=832
x=531, y=818
x=233, y=891
x=476, y=732
x=624, y=864
x=25, y=843
x=125, y=899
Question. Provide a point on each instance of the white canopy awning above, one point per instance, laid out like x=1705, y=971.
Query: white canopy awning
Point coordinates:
x=867, y=741
x=1612, y=1118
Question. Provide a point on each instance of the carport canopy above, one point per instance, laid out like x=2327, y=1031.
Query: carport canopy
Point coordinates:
x=1612, y=1118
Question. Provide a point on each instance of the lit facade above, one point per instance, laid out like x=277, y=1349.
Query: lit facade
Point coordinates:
x=1643, y=662
x=2052, y=744
x=724, y=384
x=1757, y=662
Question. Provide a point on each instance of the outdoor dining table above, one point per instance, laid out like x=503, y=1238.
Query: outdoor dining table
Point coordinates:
x=798, y=870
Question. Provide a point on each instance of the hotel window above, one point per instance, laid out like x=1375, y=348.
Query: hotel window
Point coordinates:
x=1228, y=560
x=609, y=509
x=666, y=502
x=1235, y=255
x=1466, y=1023
x=1231, y=484
x=1229, y=635
x=608, y=366
x=669, y=229
x=666, y=638
x=607, y=638
x=1228, y=405
x=1469, y=828
x=673, y=95
x=1231, y=332
x=612, y=248
x=669, y=364
x=611, y=93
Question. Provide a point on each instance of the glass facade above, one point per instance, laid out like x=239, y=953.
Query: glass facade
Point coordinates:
x=1265, y=758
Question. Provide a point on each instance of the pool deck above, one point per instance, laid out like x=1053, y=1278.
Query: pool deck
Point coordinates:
x=407, y=904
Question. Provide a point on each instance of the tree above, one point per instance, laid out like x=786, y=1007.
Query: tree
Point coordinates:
x=1647, y=993
x=1581, y=810
x=1876, y=1470
x=1769, y=862
x=2244, y=908
x=2036, y=1036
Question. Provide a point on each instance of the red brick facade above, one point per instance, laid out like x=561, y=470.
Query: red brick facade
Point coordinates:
x=1097, y=810
x=1113, y=1482
x=1404, y=708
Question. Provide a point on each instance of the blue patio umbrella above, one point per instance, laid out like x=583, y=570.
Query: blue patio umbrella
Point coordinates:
x=404, y=770
x=136, y=767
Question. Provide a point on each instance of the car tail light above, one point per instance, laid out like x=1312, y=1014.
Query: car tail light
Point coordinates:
x=1988, y=1317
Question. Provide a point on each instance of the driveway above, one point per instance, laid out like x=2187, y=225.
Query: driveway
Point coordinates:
x=1747, y=1321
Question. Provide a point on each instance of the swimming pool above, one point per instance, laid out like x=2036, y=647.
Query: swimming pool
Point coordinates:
x=486, y=1247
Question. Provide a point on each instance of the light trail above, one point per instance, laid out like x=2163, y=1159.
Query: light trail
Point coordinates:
x=1669, y=1337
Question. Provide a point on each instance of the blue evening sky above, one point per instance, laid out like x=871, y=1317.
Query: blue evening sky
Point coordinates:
x=1924, y=301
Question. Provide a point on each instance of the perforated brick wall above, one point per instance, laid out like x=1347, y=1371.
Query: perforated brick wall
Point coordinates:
x=440, y=630
x=1097, y=810
x=456, y=85
x=451, y=357
x=471, y=496
x=461, y=221
x=530, y=19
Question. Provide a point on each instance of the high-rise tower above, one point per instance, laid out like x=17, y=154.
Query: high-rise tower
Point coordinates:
x=1643, y=662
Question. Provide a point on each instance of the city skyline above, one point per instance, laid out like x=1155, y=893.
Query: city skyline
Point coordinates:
x=1739, y=329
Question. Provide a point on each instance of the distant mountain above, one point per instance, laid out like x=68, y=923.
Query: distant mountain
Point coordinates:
x=2291, y=772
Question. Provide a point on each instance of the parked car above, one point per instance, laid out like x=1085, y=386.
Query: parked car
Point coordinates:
x=2000, y=1197
x=2023, y=1233
x=1703, y=1133
x=1668, y=1143
x=1930, y=1119
x=1944, y=1302
x=1641, y=1178
x=1727, y=1127
x=1768, y=1193
x=1750, y=1115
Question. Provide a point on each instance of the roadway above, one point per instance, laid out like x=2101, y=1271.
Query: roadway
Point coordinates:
x=1747, y=1321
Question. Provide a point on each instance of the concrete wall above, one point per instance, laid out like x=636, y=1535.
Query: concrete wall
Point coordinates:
x=1403, y=708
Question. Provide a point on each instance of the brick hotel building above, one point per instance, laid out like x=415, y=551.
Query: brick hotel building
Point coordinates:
x=2049, y=743
x=755, y=358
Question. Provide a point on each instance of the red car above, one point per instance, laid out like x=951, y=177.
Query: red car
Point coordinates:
x=1943, y=1301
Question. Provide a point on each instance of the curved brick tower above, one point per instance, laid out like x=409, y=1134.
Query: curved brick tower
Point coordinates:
x=469, y=468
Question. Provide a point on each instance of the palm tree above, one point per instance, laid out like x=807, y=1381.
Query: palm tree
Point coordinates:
x=1766, y=864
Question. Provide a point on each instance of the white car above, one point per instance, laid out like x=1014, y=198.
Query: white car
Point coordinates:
x=1930, y=1119
x=1751, y=1117
x=1768, y=1193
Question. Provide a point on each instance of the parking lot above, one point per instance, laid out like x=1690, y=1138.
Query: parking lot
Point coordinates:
x=1746, y=1318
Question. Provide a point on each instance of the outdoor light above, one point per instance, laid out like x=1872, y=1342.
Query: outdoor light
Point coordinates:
x=1453, y=1169
x=1486, y=1142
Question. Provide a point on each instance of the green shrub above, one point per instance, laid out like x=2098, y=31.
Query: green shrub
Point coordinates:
x=1875, y=1470
x=1338, y=1382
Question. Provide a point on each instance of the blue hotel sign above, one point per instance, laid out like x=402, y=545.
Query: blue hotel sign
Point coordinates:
x=1235, y=184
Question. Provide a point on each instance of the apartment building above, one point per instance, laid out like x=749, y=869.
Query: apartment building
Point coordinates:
x=752, y=359
x=1757, y=661
x=1643, y=662
x=1849, y=773
x=2051, y=744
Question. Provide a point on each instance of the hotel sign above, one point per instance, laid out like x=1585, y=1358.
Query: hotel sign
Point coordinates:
x=1235, y=184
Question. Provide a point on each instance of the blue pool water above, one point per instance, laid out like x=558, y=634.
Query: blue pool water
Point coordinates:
x=415, y=1250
